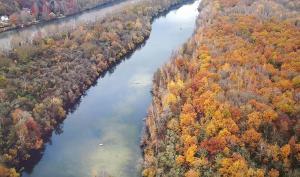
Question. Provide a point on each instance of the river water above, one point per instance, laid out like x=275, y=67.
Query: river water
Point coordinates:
x=10, y=39
x=101, y=136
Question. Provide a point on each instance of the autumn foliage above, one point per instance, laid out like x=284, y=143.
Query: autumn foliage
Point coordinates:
x=40, y=81
x=236, y=110
x=26, y=12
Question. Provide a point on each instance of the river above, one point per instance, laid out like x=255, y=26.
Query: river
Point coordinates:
x=15, y=37
x=101, y=136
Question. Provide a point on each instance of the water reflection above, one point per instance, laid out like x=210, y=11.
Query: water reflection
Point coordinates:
x=184, y=14
x=101, y=137
x=140, y=80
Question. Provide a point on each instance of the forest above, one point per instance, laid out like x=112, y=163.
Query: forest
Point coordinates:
x=26, y=12
x=228, y=102
x=39, y=81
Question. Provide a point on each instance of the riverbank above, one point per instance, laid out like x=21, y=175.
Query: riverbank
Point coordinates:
x=119, y=100
x=25, y=36
x=39, y=82
x=228, y=102
x=11, y=27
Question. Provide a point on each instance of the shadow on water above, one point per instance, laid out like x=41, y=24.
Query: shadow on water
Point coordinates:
x=110, y=70
x=36, y=155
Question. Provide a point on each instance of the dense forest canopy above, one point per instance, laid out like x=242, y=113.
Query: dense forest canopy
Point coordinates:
x=39, y=81
x=44, y=7
x=228, y=104
x=25, y=12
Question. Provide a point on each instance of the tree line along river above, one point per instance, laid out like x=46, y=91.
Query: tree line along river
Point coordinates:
x=101, y=136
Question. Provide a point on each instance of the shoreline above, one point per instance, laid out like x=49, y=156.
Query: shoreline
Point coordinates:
x=21, y=27
x=201, y=116
x=70, y=106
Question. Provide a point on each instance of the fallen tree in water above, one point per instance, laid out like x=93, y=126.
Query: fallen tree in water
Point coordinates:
x=228, y=104
x=39, y=82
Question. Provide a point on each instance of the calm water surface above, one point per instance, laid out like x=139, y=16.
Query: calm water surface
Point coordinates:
x=13, y=38
x=112, y=112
